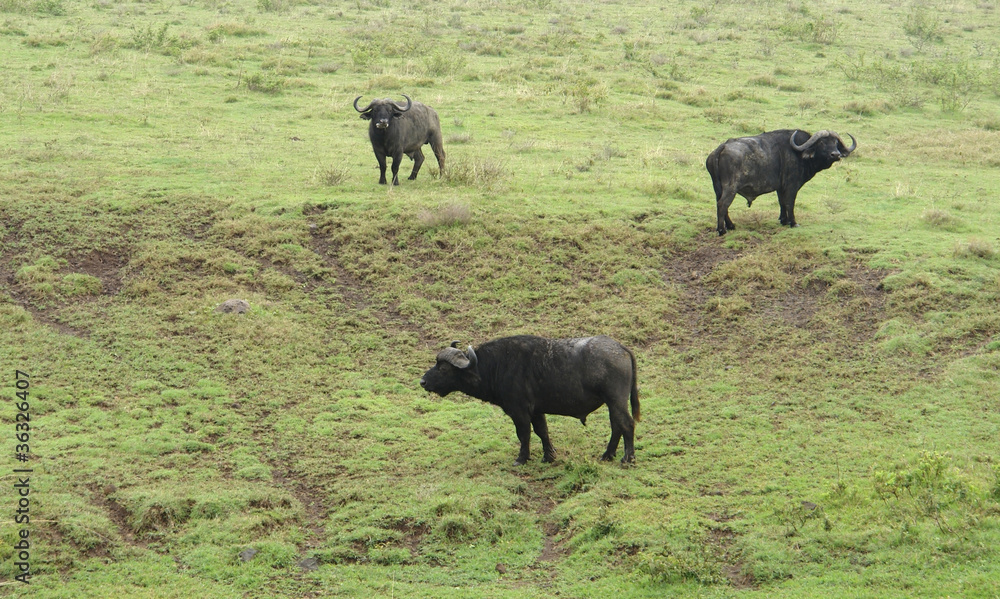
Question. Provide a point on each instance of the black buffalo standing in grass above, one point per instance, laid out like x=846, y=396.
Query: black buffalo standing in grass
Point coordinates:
x=772, y=161
x=396, y=130
x=530, y=377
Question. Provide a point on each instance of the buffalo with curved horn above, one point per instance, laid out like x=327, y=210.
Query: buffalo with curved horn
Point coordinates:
x=396, y=130
x=772, y=161
x=529, y=377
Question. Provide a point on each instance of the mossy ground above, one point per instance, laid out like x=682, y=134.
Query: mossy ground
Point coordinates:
x=819, y=403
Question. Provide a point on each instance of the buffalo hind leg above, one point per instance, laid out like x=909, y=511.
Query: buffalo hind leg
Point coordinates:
x=418, y=159
x=542, y=430
x=622, y=425
x=723, y=202
x=438, y=148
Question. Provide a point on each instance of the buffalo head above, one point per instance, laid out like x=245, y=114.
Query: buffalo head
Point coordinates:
x=825, y=146
x=380, y=112
x=455, y=370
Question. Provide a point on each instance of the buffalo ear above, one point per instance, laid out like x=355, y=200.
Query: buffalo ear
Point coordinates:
x=366, y=116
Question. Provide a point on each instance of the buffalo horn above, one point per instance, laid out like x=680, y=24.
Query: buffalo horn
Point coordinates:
x=454, y=356
x=473, y=359
x=409, y=103
x=816, y=137
x=854, y=143
x=366, y=108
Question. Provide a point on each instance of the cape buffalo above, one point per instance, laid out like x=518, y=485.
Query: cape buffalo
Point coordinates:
x=772, y=161
x=530, y=377
x=396, y=130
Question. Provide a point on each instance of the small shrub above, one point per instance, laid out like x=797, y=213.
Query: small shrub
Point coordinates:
x=265, y=83
x=922, y=25
x=272, y=5
x=586, y=92
x=329, y=176
x=148, y=39
x=444, y=64
x=56, y=8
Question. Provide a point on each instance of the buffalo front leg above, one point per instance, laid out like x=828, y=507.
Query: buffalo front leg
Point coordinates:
x=380, y=156
x=396, y=160
x=786, y=200
x=522, y=424
x=542, y=430
x=418, y=159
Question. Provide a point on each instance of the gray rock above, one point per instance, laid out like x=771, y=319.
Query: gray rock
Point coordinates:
x=309, y=564
x=247, y=554
x=234, y=306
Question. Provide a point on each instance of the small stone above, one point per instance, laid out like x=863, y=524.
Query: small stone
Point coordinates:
x=233, y=306
x=247, y=554
x=309, y=564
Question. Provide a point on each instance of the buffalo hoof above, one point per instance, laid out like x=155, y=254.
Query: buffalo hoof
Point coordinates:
x=608, y=457
x=722, y=232
x=520, y=462
x=549, y=458
x=628, y=460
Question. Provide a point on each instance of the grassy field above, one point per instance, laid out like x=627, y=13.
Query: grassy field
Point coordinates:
x=820, y=412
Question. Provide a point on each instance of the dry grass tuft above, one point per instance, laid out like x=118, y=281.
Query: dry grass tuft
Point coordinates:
x=445, y=216
x=979, y=248
x=484, y=173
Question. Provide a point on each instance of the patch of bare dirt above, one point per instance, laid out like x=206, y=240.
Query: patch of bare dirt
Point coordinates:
x=104, y=497
x=538, y=498
x=105, y=266
x=352, y=291
x=413, y=534
x=861, y=287
x=312, y=502
x=722, y=541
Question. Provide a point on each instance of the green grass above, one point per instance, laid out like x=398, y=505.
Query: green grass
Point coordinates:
x=818, y=403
